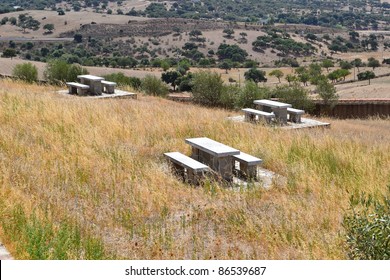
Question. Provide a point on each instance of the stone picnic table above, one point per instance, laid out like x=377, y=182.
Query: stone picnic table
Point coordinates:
x=94, y=83
x=278, y=108
x=214, y=154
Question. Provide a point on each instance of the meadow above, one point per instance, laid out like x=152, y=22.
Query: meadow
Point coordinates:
x=86, y=179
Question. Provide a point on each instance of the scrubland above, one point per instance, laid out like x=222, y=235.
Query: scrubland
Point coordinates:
x=86, y=179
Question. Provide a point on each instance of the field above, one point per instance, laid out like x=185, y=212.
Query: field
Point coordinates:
x=86, y=179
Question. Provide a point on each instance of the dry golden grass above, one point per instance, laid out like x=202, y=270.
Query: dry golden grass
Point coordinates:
x=99, y=164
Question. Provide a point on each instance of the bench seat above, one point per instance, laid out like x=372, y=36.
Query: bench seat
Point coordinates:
x=250, y=115
x=77, y=88
x=295, y=115
x=108, y=83
x=108, y=87
x=189, y=169
x=248, y=164
x=78, y=85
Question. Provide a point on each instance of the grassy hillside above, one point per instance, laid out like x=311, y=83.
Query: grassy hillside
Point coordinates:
x=86, y=179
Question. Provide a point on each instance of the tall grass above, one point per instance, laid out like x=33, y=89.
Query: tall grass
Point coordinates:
x=89, y=178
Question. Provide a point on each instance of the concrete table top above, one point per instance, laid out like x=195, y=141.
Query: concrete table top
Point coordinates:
x=271, y=103
x=90, y=77
x=212, y=147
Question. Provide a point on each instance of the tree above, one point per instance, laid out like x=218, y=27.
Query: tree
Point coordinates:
x=250, y=92
x=372, y=62
x=255, y=75
x=346, y=65
x=170, y=77
x=207, y=88
x=291, y=78
x=367, y=75
x=229, y=32
x=327, y=63
x=152, y=85
x=9, y=53
x=26, y=72
x=295, y=94
x=277, y=73
x=49, y=28
x=195, y=33
x=226, y=65
x=357, y=62
x=28, y=22
x=59, y=71
x=78, y=38
x=327, y=92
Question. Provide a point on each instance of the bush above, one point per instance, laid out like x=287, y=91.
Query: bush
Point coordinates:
x=58, y=71
x=26, y=72
x=123, y=80
x=368, y=227
x=295, y=95
x=249, y=93
x=229, y=96
x=208, y=88
x=152, y=85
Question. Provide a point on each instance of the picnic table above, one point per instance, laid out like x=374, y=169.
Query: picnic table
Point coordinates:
x=278, y=108
x=214, y=154
x=94, y=83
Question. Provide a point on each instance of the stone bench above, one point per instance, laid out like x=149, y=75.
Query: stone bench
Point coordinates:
x=295, y=115
x=108, y=87
x=248, y=165
x=250, y=115
x=187, y=168
x=77, y=88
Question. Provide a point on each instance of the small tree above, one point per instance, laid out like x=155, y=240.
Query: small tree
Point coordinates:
x=59, y=71
x=372, y=62
x=327, y=63
x=291, y=78
x=207, y=88
x=228, y=32
x=78, y=38
x=357, y=62
x=296, y=95
x=277, y=73
x=26, y=72
x=255, y=75
x=327, y=92
x=250, y=92
x=9, y=53
x=170, y=78
x=367, y=75
x=152, y=85
x=226, y=65
x=48, y=28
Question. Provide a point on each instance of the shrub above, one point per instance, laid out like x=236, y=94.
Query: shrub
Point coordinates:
x=229, y=95
x=368, y=227
x=208, y=88
x=123, y=80
x=295, y=95
x=26, y=72
x=58, y=71
x=249, y=93
x=152, y=85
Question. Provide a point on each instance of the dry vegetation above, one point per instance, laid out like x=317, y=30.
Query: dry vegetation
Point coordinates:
x=98, y=166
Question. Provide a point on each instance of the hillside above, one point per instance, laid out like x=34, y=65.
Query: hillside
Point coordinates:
x=86, y=179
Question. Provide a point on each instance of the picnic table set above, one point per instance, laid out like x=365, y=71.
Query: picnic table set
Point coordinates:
x=91, y=85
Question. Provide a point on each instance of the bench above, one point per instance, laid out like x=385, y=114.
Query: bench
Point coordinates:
x=247, y=164
x=108, y=87
x=250, y=115
x=295, y=115
x=187, y=168
x=76, y=88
